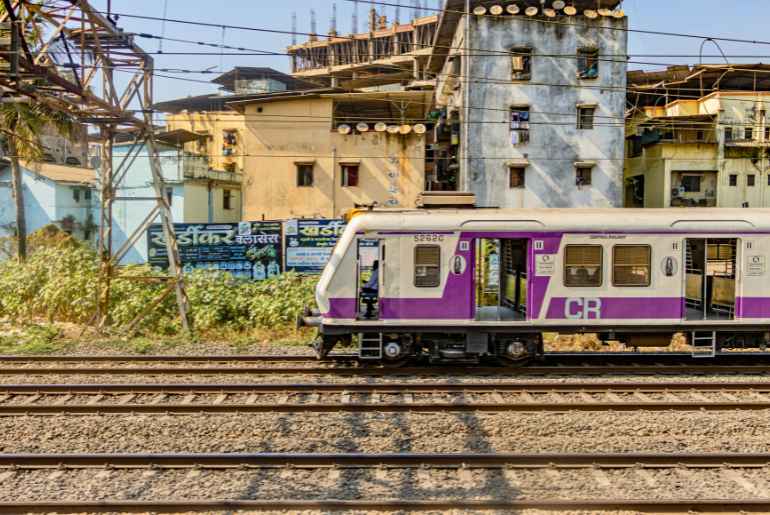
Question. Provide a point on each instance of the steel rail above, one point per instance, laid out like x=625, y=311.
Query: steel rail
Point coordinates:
x=387, y=460
x=401, y=407
x=555, y=505
x=385, y=371
x=421, y=387
x=133, y=358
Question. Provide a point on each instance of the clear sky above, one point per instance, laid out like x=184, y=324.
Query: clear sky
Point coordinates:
x=744, y=19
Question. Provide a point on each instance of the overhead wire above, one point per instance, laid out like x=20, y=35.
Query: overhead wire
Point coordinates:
x=557, y=22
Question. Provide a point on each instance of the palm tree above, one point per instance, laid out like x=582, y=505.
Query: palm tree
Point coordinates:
x=22, y=125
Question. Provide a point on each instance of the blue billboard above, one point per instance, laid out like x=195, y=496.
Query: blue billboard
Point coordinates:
x=250, y=250
x=309, y=244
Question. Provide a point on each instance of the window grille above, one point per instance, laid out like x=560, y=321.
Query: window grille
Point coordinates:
x=583, y=265
x=427, y=266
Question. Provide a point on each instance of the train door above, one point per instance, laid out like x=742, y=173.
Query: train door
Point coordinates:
x=501, y=279
x=710, y=277
x=369, y=279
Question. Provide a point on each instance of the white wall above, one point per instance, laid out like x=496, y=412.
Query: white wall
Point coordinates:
x=552, y=94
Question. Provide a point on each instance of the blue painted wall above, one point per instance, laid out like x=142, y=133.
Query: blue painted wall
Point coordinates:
x=127, y=215
x=45, y=202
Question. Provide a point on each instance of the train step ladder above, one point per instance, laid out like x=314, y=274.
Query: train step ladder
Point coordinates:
x=704, y=344
x=370, y=345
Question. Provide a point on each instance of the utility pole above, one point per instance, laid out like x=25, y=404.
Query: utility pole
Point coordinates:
x=103, y=48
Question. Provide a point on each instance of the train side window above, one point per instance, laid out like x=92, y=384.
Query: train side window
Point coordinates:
x=427, y=266
x=631, y=265
x=583, y=265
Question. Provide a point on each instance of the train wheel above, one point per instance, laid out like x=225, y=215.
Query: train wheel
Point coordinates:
x=396, y=351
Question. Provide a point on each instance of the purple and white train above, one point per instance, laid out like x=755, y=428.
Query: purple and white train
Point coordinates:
x=461, y=285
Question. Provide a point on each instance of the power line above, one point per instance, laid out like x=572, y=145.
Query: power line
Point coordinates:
x=621, y=29
x=289, y=32
x=448, y=158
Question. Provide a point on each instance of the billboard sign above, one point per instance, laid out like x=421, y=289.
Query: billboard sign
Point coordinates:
x=250, y=250
x=309, y=244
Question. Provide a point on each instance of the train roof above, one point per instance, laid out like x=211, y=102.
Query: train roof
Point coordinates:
x=568, y=219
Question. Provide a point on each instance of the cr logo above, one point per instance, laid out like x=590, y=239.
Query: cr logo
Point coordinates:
x=581, y=308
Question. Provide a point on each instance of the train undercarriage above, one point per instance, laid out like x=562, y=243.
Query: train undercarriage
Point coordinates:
x=392, y=347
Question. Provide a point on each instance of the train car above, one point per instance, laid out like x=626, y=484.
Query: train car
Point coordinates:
x=467, y=284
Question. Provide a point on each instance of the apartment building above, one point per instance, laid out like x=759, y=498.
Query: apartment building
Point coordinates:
x=699, y=137
x=305, y=151
x=532, y=101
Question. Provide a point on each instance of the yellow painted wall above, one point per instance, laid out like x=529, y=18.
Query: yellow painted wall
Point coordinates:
x=213, y=123
x=227, y=215
x=295, y=130
x=651, y=165
x=661, y=161
x=196, y=203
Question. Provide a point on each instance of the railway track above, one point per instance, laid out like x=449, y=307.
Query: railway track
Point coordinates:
x=589, y=466
x=485, y=461
x=558, y=506
x=377, y=371
x=64, y=399
x=557, y=363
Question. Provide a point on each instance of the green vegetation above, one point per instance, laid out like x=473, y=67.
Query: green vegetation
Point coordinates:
x=58, y=284
x=35, y=339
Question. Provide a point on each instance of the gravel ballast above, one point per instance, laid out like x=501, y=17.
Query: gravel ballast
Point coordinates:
x=351, y=484
x=717, y=431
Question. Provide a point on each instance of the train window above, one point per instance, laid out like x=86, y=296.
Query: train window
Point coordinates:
x=631, y=265
x=427, y=266
x=583, y=265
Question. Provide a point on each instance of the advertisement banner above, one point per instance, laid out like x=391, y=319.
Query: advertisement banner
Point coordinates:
x=309, y=244
x=247, y=249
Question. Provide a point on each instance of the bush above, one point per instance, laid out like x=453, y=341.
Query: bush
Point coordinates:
x=58, y=282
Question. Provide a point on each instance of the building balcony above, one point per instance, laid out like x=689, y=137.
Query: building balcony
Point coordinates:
x=197, y=167
x=747, y=143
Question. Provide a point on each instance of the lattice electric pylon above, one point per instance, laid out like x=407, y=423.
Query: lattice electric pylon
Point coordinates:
x=58, y=52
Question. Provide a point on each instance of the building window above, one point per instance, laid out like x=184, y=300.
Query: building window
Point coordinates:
x=229, y=142
x=76, y=194
x=519, y=125
x=691, y=183
x=733, y=180
x=583, y=265
x=631, y=265
x=349, y=175
x=768, y=180
x=588, y=63
x=583, y=175
x=521, y=64
x=748, y=133
x=585, y=117
x=88, y=194
x=427, y=266
x=170, y=195
x=751, y=180
x=230, y=167
x=304, y=175
x=767, y=133
x=516, y=176
x=227, y=199
x=728, y=133
x=230, y=137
